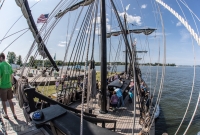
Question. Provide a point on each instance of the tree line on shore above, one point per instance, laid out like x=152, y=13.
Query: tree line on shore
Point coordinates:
x=61, y=63
x=157, y=64
x=13, y=59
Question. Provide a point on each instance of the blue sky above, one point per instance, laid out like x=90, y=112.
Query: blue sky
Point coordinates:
x=141, y=13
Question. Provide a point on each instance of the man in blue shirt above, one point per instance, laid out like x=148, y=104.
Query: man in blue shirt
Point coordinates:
x=120, y=97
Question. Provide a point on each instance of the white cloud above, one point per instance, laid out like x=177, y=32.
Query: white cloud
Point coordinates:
x=98, y=30
x=98, y=20
x=134, y=8
x=77, y=28
x=108, y=27
x=107, y=20
x=144, y=6
x=62, y=43
x=127, y=7
x=185, y=35
x=131, y=19
x=178, y=24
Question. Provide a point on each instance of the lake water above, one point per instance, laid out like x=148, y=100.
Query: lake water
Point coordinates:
x=175, y=96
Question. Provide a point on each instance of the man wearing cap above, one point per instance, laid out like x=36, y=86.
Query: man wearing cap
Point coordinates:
x=120, y=97
x=6, y=85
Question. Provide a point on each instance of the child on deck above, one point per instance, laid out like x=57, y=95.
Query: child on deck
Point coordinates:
x=114, y=100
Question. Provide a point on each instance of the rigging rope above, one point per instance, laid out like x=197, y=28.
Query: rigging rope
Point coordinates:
x=193, y=77
x=163, y=72
x=198, y=100
x=185, y=23
x=13, y=34
x=15, y=40
x=86, y=63
x=17, y=21
x=2, y=4
x=184, y=3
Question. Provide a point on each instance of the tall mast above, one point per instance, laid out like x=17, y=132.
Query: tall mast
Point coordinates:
x=126, y=50
x=103, y=58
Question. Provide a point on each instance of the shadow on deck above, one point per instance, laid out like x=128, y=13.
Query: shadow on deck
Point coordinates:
x=18, y=126
x=123, y=115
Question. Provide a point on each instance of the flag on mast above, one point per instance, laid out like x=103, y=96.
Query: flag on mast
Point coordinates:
x=43, y=18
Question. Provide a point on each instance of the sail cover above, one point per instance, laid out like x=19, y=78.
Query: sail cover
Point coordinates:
x=91, y=86
x=74, y=7
x=136, y=31
x=23, y=4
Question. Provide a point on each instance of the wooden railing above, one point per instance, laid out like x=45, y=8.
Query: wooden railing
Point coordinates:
x=99, y=120
x=31, y=94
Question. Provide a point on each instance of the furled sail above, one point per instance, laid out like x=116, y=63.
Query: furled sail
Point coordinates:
x=42, y=50
x=74, y=7
x=136, y=31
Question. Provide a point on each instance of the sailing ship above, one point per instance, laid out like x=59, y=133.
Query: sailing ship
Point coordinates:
x=73, y=116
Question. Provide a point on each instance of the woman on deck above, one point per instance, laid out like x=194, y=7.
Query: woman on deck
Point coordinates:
x=131, y=91
x=131, y=85
x=114, y=100
x=120, y=97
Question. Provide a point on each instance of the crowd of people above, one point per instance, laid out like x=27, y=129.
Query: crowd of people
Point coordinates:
x=116, y=99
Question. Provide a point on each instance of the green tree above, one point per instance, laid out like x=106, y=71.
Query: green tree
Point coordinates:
x=32, y=61
x=11, y=57
x=19, y=60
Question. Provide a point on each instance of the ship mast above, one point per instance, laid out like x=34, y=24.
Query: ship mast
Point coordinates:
x=103, y=109
x=126, y=50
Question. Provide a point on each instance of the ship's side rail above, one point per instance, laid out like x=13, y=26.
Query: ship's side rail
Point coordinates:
x=100, y=120
x=31, y=94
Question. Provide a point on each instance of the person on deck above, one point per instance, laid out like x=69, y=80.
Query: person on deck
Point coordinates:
x=6, y=86
x=97, y=85
x=114, y=100
x=142, y=86
x=57, y=84
x=120, y=97
x=111, y=79
x=131, y=85
x=108, y=98
x=116, y=76
x=131, y=91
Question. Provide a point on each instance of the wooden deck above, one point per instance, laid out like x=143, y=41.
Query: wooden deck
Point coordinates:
x=19, y=126
x=124, y=117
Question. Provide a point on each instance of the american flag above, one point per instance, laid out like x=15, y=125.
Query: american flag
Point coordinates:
x=43, y=18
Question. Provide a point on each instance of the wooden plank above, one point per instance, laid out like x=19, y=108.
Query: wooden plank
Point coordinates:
x=124, y=117
x=18, y=126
